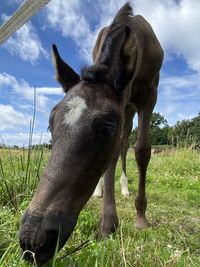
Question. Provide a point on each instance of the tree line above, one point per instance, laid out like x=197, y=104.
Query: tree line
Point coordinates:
x=184, y=133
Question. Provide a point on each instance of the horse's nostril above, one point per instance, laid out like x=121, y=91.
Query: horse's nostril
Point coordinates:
x=28, y=256
x=39, y=250
x=52, y=237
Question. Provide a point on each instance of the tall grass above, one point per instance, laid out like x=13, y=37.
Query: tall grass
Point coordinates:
x=20, y=169
x=19, y=181
x=184, y=141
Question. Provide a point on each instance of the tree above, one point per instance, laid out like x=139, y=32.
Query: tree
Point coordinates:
x=187, y=132
x=159, y=129
x=157, y=120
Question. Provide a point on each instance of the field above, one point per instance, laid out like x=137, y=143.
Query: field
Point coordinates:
x=173, y=238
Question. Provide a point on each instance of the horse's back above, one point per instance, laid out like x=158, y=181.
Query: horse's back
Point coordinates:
x=142, y=49
x=149, y=52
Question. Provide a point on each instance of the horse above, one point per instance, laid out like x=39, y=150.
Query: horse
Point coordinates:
x=90, y=128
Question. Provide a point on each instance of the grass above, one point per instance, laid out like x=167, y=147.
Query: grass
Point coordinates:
x=173, y=238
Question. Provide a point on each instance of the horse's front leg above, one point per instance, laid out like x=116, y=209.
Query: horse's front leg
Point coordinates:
x=109, y=219
x=142, y=155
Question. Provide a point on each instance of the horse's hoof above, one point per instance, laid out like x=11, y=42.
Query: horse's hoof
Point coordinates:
x=108, y=226
x=141, y=222
x=126, y=195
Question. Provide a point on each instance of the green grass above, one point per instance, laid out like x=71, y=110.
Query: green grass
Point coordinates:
x=173, y=190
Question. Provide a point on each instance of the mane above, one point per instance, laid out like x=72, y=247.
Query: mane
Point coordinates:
x=117, y=31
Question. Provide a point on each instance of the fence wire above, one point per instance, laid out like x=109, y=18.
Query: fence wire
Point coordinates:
x=27, y=9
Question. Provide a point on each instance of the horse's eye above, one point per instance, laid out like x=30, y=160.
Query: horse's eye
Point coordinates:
x=105, y=128
x=51, y=122
x=49, y=128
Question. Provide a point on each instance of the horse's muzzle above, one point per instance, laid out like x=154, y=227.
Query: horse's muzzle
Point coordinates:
x=40, y=235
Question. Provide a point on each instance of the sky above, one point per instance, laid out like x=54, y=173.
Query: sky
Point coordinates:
x=73, y=26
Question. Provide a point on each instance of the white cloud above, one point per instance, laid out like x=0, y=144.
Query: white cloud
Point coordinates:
x=25, y=92
x=17, y=113
x=50, y=90
x=180, y=87
x=179, y=97
x=25, y=43
x=68, y=18
x=10, y=118
x=22, y=139
x=175, y=23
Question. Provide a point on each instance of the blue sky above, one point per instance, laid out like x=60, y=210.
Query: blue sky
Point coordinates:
x=73, y=25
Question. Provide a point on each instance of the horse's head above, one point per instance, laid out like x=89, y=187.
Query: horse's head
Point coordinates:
x=86, y=128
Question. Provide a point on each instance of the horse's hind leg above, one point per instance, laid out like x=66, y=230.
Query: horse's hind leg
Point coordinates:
x=129, y=114
x=98, y=192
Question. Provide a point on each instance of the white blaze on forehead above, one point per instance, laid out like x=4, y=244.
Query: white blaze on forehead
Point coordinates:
x=75, y=107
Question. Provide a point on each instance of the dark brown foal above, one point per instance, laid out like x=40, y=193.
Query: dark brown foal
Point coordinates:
x=143, y=56
x=90, y=127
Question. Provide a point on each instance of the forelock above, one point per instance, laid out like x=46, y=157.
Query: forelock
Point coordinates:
x=75, y=107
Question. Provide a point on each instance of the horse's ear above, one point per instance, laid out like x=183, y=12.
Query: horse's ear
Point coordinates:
x=111, y=65
x=115, y=58
x=65, y=75
x=113, y=51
